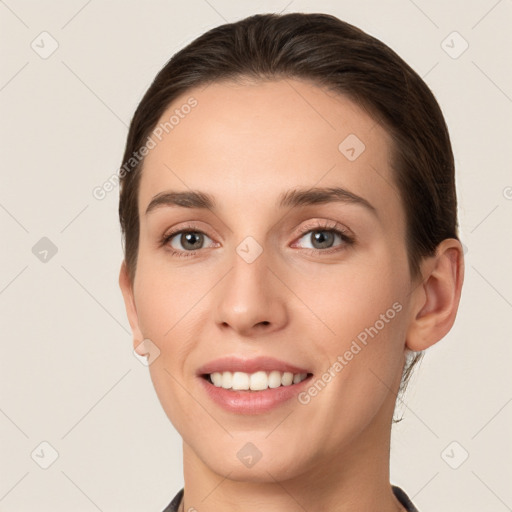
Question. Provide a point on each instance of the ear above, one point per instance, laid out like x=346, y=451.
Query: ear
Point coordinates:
x=131, y=311
x=436, y=299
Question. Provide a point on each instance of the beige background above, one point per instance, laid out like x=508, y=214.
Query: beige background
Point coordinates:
x=68, y=374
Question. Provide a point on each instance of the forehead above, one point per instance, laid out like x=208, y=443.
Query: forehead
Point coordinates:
x=247, y=143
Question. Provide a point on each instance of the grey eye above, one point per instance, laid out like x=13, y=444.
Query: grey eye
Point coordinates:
x=321, y=238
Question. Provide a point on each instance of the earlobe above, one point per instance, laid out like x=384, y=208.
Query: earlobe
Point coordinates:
x=131, y=310
x=437, y=298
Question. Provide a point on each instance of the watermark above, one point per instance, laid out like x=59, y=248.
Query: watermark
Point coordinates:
x=454, y=45
x=249, y=249
x=44, y=250
x=44, y=45
x=249, y=455
x=351, y=147
x=455, y=455
x=100, y=192
x=355, y=348
x=44, y=455
x=146, y=352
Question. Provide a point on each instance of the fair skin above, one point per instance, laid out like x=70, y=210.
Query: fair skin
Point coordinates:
x=298, y=301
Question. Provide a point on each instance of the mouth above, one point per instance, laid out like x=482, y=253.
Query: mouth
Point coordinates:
x=254, y=382
x=260, y=392
x=252, y=386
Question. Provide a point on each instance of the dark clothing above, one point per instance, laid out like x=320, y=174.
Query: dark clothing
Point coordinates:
x=175, y=503
x=404, y=499
x=400, y=495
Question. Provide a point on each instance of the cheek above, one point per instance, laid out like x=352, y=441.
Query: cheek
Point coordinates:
x=348, y=300
x=363, y=317
x=163, y=297
x=361, y=367
x=169, y=308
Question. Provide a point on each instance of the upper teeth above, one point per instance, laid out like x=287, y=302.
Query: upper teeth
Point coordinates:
x=255, y=381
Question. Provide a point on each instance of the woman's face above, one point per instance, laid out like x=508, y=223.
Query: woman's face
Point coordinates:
x=257, y=278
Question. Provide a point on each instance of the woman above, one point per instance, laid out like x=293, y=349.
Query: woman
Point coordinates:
x=290, y=220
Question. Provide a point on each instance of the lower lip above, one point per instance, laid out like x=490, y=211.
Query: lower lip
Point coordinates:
x=253, y=402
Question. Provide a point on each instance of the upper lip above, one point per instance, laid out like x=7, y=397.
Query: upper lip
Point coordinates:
x=237, y=364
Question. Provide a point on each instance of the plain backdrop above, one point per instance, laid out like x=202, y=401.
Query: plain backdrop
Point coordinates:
x=73, y=397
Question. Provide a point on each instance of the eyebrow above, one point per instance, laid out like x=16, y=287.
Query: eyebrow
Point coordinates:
x=293, y=198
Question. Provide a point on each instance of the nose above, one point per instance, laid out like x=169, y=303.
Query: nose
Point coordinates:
x=251, y=299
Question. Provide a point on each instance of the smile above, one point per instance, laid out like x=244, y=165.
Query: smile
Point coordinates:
x=258, y=381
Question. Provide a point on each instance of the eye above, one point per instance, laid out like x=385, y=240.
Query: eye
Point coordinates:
x=188, y=240
x=322, y=237
x=184, y=242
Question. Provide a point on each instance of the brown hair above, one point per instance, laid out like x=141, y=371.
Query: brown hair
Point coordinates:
x=333, y=54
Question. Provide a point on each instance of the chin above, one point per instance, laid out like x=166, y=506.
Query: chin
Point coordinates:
x=245, y=461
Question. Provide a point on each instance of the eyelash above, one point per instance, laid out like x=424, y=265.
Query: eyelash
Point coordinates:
x=325, y=227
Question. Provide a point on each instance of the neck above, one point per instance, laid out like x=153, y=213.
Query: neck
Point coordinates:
x=355, y=479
